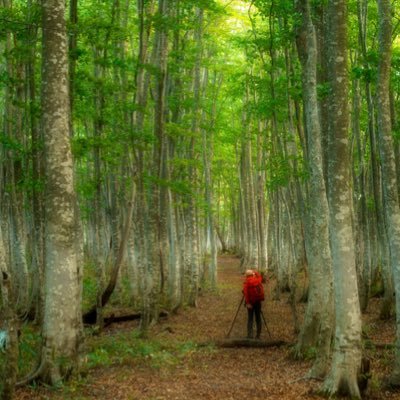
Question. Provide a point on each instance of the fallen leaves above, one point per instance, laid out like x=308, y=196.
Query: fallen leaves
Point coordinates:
x=221, y=373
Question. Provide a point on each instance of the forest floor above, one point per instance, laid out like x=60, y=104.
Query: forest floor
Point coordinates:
x=202, y=371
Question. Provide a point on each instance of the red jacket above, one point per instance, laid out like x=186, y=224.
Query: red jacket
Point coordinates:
x=248, y=285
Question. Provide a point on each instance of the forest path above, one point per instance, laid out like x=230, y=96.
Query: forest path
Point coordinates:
x=209, y=373
x=223, y=374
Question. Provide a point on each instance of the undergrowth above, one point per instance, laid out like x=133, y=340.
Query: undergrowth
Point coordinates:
x=126, y=348
x=108, y=350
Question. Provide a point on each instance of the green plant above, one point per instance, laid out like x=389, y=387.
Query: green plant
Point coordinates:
x=126, y=348
x=29, y=347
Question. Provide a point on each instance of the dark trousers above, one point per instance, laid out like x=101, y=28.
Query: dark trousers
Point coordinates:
x=251, y=312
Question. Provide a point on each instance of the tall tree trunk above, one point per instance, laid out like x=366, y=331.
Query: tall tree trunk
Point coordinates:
x=37, y=177
x=294, y=196
x=362, y=223
x=207, y=141
x=72, y=51
x=161, y=168
x=157, y=232
x=62, y=327
x=382, y=256
x=9, y=369
x=346, y=361
x=14, y=169
x=193, y=258
x=250, y=236
x=98, y=256
x=260, y=191
x=321, y=28
x=145, y=14
x=388, y=165
x=317, y=327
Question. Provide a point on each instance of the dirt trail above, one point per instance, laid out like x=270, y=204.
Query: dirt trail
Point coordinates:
x=223, y=374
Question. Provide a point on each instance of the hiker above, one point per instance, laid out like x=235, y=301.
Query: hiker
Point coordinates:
x=253, y=292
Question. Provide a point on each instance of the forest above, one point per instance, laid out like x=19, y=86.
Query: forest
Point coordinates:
x=152, y=151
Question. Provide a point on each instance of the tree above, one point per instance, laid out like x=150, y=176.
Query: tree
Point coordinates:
x=318, y=322
x=62, y=327
x=388, y=164
x=9, y=369
x=158, y=257
x=346, y=360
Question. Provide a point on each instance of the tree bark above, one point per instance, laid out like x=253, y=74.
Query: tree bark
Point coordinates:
x=158, y=246
x=37, y=177
x=317, y=327
x=388, y=164
x=62, y=326
x=72, y=51
x=362, y=223
x=192, y=247
x=207, y=141
x=346, y=361
x=9, y=369
x=381, y=259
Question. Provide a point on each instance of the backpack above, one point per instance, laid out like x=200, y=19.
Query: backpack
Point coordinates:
x=255, y=290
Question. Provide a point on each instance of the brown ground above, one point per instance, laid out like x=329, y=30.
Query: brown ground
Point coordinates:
x=223, y=374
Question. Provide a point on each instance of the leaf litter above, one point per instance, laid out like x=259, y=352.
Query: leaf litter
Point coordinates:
x=200, y=370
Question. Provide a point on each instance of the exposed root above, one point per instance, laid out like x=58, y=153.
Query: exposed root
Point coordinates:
x=33, y=375
x=342, y=385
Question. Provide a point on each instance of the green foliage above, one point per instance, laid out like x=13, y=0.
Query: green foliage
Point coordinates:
x=29, y=348
x=9, y=143
x=122, y=296
x=127, y=348
x=19, y=19
x=323, y=90
x=90, y=289
x=310, y=353
x=370, y=203
x=366, y=73
x=280, y=172
x=319, y=3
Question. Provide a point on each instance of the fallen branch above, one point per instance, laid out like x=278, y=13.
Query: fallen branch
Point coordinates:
x=254, y=343
x=121, y=318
